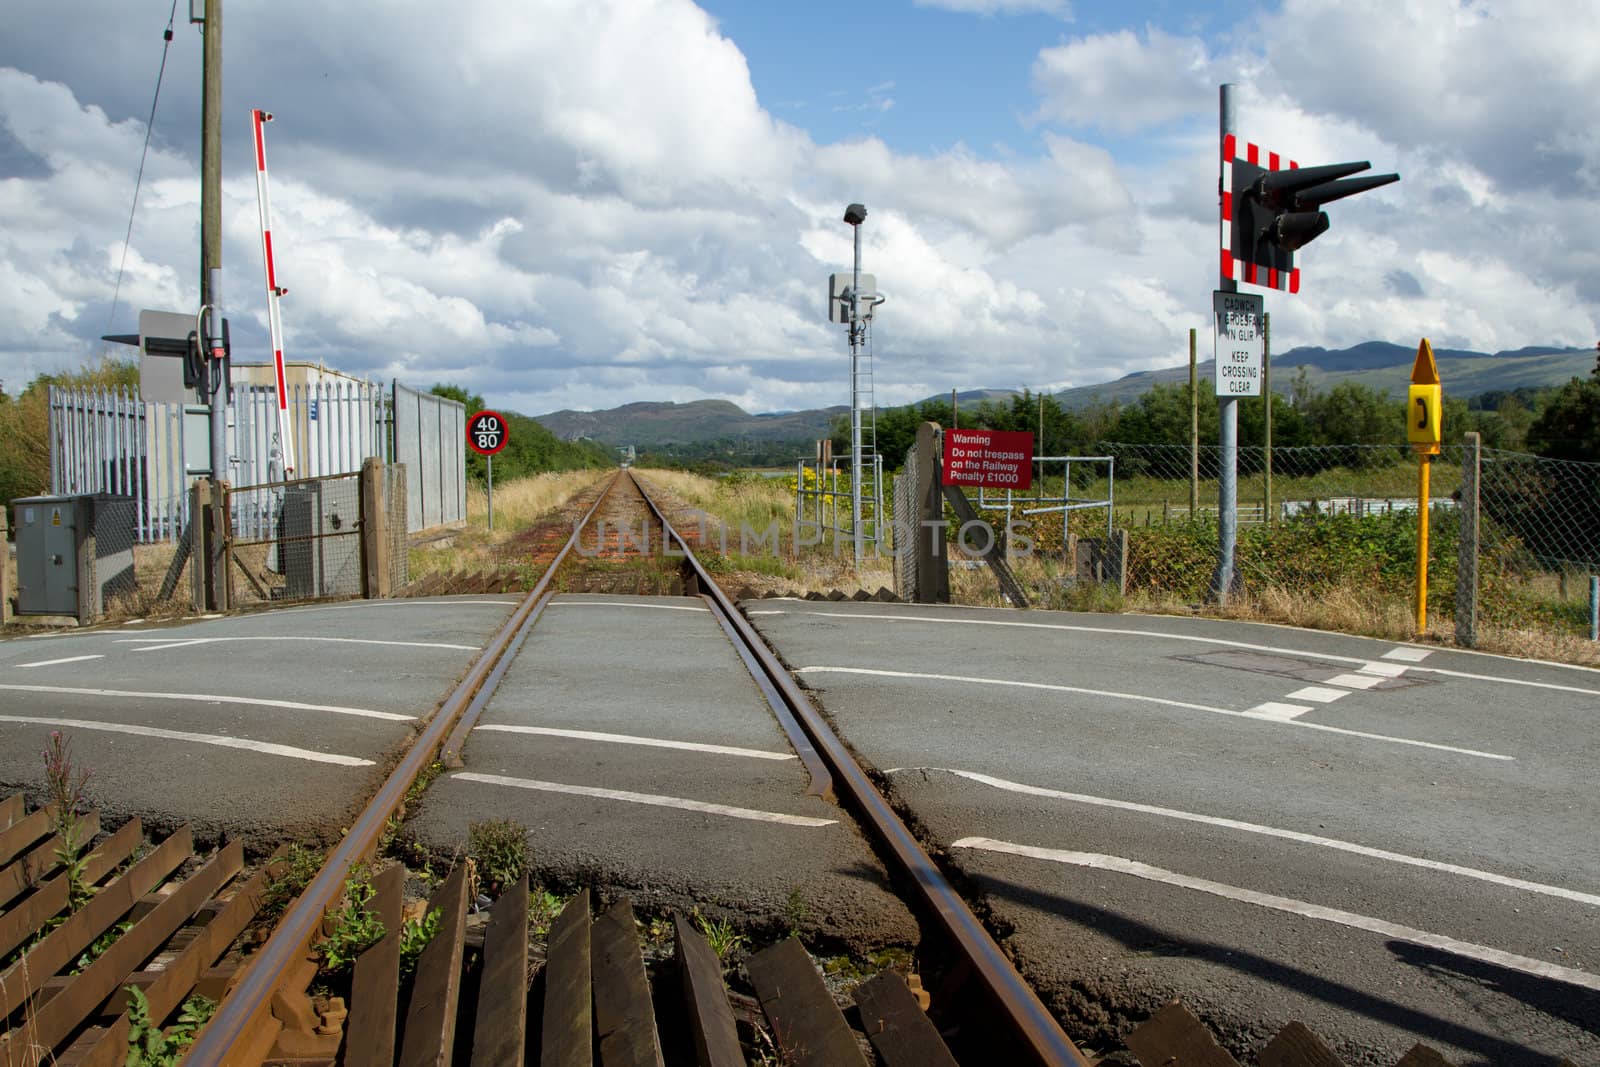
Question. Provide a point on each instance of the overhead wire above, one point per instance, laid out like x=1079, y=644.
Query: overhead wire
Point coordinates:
x=149, y=129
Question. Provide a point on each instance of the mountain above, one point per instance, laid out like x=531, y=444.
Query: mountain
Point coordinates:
x=650, y=424
x=1378, y=364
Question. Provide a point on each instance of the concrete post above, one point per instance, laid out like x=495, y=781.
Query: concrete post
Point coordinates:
x=928, y=542
x=220, y=580
x=199, y=524
x=374, y=531
x=1467, y=550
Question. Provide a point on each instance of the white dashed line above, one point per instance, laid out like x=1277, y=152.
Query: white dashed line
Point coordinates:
x=1382, y=927
x=266, y=748
x=1140, y=698
x=211, y=698
x=643, y=798
x=1406, y=654
x=1274, y=710
x=1385, y=670
x=628, y=739
x=1356, y=681
x=58, y=662
x=1318, y=694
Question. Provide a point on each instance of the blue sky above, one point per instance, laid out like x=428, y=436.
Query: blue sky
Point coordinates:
x=581, y=203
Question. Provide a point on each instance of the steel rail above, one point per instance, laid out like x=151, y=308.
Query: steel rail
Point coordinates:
x=227, y=1037
x=1032, y=1021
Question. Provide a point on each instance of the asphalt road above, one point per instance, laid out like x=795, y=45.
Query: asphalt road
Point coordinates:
x=264, y=726
x=1388, y=843
x=632, y=743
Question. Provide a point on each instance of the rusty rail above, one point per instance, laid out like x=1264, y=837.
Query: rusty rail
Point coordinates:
x=1032, y=1022
x=244, y=1021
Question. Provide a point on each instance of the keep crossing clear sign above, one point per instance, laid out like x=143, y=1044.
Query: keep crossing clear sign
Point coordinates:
x=1239, y=342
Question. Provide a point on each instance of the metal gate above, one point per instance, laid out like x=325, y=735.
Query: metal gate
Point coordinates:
x=298, y=540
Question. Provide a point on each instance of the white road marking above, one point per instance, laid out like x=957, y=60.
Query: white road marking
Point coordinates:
x=58, y=662
x=263, y=747
x=1382, y=669
x=1274, y=710
x=1318, y=694
x=162, y=643
x=1154, y=700
x=1355, y=681
x=1409, y=655
x=643, y=798
x=1271, y=831
x=285, y=637
x=211, y=698
x=628, y=739
x=625, y=604
x=1382, y=927
x=401, y=602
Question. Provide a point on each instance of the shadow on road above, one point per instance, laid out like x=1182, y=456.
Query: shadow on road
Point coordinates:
x=1577, y=1007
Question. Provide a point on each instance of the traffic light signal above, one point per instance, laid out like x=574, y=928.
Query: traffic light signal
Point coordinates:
x=1270, y=211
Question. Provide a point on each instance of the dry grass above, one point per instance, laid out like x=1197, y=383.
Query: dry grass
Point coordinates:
x=518, y=504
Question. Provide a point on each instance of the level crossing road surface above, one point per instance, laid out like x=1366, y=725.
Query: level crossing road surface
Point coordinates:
x=267, y=726
x=1388, y=842
x=631, y=742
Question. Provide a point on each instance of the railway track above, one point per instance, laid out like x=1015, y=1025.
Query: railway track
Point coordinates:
x=476, y=994
x=244, y=1028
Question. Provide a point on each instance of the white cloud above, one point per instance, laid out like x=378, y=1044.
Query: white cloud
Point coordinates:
x=586, y=203
x=1122, y=83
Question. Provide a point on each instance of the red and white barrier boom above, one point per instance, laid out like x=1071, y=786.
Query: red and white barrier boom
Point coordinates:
x=274, y=291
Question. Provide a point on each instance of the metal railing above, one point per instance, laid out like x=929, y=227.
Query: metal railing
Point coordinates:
x=824, y=501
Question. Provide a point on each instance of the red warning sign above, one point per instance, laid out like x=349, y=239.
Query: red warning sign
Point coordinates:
x=988, y=459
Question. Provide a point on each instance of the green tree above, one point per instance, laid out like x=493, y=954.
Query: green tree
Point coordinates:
x=25, y=423
x=1568, y=426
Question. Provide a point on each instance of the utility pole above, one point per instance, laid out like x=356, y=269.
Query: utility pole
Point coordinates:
x=211, y=223
x=211, y=283
x=1266, y=394
x=857, y=330
x=1225, y=580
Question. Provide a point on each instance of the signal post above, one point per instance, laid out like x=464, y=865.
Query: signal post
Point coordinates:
x=1270, y=208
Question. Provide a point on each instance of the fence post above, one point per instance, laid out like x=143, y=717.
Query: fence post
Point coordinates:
x=221, y=556
x=928, y=543
x=1467, y=549
x=374, y=531
x=5, y=569
x=199, y=524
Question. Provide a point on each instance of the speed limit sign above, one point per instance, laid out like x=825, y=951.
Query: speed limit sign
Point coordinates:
x=486, y=433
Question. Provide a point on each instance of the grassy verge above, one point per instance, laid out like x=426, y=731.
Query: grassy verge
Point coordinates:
x=518, y=504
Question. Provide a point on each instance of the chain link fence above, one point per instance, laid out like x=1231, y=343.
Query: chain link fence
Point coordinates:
x=1340, y=521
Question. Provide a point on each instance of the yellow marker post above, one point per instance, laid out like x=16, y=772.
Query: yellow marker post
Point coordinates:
x=1425, y=431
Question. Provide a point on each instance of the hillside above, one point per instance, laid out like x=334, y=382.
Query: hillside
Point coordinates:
x=1375, y=363
x=653, y=424
x=1385, y=366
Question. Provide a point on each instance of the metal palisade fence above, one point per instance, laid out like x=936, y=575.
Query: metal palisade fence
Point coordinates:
x=111, y=441
x=430, y=441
